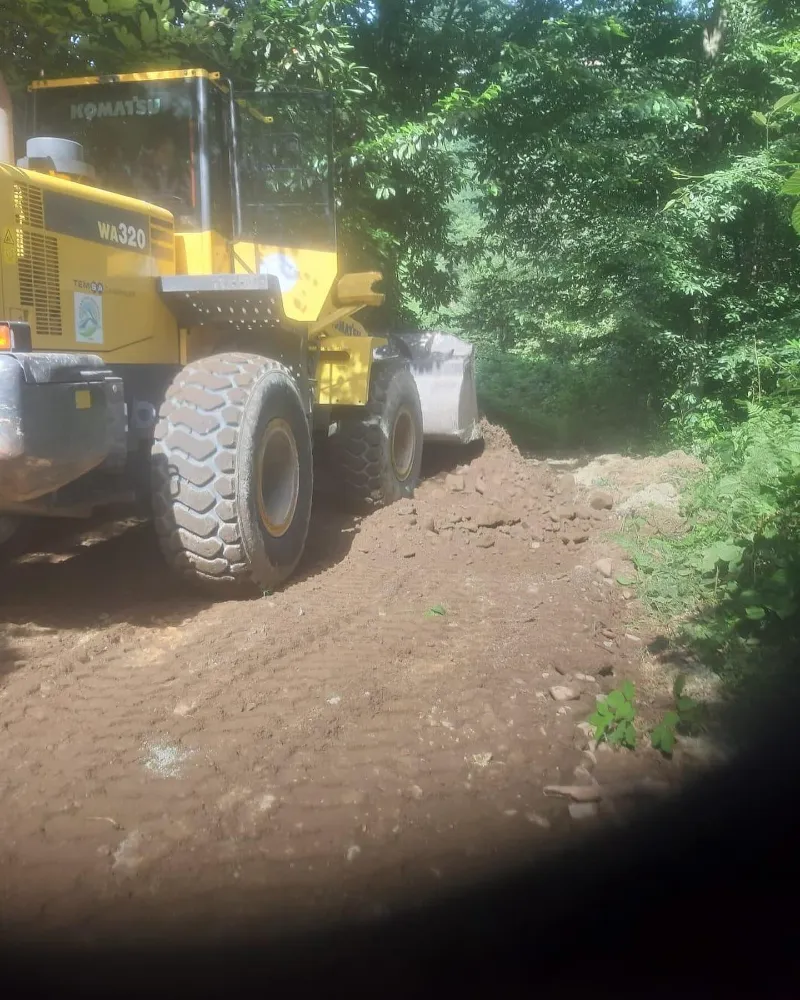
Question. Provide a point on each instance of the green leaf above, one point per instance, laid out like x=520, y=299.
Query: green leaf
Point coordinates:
x=786, y=101
x=625, y=581
x=628, y=690
x=437, y=609
x=662, y=738
x=148, y=28
x=626, y=712
x=755, y=613
x=98, y=7
x=796, y=224
x=678, y=686
x=615, y=700
x=759, y=118
x=792, y=184
x=686, y=705
x=670, y=720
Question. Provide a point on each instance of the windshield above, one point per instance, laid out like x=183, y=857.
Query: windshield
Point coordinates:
x=141, y=138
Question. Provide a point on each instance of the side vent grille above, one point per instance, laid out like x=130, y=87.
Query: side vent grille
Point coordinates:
x=37, y=261
x=28, y=207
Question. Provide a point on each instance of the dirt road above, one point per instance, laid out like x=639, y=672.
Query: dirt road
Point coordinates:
x=329, y=748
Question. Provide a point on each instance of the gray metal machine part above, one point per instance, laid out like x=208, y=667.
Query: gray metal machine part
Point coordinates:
x=443, y=367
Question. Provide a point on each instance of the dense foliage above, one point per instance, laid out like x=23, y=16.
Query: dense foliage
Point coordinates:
x=600, y=193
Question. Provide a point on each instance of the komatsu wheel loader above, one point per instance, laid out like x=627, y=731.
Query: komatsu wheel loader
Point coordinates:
x=174, y=327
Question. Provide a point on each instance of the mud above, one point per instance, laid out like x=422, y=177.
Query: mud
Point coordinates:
x=381, y=728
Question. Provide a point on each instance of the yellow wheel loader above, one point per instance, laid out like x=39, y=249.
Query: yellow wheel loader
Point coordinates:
x=174, y=328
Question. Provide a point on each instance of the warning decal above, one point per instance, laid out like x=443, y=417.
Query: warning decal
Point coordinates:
x=9, y=247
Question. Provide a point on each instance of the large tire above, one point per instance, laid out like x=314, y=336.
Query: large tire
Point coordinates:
x=376, y=454
x=233, y=473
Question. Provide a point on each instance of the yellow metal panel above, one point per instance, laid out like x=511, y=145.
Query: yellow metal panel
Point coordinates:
x=306, y=276
x=86, y=191
x=343, y=377
x=88, y=81
x=90, y=296
x=356, y=289
x=83, y=399
x=202, y=253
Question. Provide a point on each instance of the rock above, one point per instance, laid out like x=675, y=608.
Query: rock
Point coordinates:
x=353, y=852
x=408, y=553
x=582, y=775
x=183, y=708
x=577, y=537
x=553, y=515
x=582, y=810
x=429, y=524
x=566, y=484
x=493, y=517
x=566, y=512
x=605, y=567
x=656, y=495
x=405, y=507
x=560, y=692
x=412, y=520
x=415, y=792
x=537, y=820
x=454, y=483
x=628, y=595
x=584, y=513
x=480, y=485
x=601, y=500
x=537, y=536
x=485, y=542
x=586, y=677
x=482, y=759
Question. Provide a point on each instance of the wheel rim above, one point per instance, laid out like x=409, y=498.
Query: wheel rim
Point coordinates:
x=404, y=444
x=278, y=478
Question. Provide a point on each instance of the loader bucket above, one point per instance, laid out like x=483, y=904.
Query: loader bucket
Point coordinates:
x=444, y=369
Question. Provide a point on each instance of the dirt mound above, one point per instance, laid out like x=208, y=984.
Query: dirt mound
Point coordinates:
x=391, y=716
x=624, y=476
x=497, y=438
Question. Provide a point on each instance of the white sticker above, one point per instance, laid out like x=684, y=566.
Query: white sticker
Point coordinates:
x=88, y=318
x=284, y=269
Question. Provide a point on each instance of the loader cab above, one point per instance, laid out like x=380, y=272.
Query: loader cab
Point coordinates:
x=254, y=168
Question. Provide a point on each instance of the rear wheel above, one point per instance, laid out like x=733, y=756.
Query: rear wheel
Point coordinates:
x=376, y=453
x=232, y=473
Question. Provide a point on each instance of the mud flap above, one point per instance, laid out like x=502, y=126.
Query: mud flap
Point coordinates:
x=443, y=367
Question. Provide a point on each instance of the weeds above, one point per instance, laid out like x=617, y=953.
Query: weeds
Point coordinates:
x=613, y=717
x=684, y=718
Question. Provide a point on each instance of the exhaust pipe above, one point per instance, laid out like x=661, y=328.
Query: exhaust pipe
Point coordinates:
x=6, y=124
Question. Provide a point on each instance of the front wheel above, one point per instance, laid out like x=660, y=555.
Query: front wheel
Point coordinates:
x=376, y=453
x=232, y=473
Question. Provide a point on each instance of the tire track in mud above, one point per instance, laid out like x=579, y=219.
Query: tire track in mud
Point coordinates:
x=319, y=742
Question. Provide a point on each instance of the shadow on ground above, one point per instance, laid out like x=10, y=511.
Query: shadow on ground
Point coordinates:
x=80, y=575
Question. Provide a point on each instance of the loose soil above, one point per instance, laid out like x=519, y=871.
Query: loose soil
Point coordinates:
x=379, y=729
